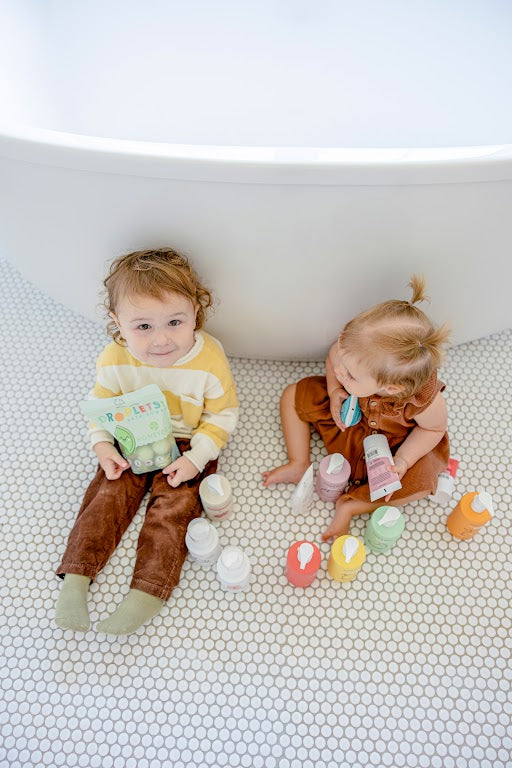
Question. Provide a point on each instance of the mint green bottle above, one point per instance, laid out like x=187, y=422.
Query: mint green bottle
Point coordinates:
x=384, y=528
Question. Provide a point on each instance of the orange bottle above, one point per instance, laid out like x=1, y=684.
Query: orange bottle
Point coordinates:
x=472, y=512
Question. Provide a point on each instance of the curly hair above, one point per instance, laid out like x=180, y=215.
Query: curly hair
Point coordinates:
x=153, y=272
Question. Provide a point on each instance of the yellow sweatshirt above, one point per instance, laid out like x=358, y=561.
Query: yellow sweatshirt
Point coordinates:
x=199, y=390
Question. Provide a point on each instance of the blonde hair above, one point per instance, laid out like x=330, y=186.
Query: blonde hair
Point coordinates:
x=153, y=273
x=397, y=341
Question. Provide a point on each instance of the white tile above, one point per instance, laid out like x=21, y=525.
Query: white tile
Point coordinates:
x=407, y=666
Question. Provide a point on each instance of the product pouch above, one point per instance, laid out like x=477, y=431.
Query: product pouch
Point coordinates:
x=140, y=422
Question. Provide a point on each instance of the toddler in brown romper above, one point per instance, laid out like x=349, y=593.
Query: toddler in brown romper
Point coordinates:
x=388, y=357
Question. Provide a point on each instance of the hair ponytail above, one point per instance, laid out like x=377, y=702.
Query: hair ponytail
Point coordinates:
x=398, y=341
x=418, y=286
x=434, y=343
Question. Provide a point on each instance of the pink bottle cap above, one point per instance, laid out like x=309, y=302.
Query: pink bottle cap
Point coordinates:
x=302, y=563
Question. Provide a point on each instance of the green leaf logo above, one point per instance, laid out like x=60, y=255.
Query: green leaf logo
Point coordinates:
x=125, y=439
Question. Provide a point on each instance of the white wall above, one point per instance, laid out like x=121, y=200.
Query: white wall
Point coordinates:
x=290, y=264
x=272, y=72
x=27, y=88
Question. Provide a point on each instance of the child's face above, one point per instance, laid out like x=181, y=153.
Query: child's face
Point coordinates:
x=355, y=378
x=157, y=331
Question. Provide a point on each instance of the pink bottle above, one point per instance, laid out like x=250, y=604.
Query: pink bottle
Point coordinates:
x=332, y=477
x=302, y=563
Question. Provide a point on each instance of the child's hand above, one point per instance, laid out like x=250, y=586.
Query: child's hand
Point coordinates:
x=337, y=396
x=400, y=466
x=180, y=471
x=111, y=461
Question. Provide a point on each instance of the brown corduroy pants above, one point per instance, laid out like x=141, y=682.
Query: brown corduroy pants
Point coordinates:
x=108, y=508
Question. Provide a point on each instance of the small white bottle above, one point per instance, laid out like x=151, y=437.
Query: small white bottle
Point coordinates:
x=216, y=497
x=202, y=541
x=234, y=569
x=446, y=482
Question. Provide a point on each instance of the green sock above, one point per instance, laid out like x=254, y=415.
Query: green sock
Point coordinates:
x=71, y=610
x=137, y=608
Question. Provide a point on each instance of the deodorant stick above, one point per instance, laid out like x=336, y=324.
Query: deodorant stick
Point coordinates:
x=216, y=497
x=202, y=541
x=332, y=477
x=350, y=411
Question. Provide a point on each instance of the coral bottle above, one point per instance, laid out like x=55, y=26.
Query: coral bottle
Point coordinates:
x=472, y=512
x=302, y=563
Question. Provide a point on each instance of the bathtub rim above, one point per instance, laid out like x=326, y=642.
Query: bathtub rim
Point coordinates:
x=258, y=165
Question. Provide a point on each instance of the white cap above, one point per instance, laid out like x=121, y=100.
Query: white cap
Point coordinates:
x=350, y=547
x=214, y=490
x=445, y=486
x=233, y=565
x=214, y=484
x=390, y=516
x=336, y=463
x=482, y=502
x=201, y=536
x=305, y=553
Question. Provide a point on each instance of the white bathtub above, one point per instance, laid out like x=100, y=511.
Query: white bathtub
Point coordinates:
x=307, y=156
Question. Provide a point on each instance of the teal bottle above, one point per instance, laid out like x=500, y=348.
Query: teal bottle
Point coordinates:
x=384, y=528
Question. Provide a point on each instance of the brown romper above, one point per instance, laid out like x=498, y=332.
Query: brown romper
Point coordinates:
x=384, y=415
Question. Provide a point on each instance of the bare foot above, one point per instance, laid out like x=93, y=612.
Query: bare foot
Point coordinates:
x=346, y=509
x=340, y=523
x=287, y=473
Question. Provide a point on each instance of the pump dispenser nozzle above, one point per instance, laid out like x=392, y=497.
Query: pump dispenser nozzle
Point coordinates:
x=350, y=547
x=482, y=502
